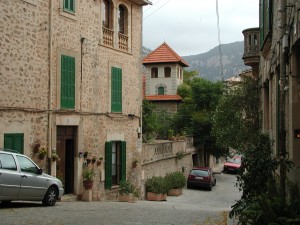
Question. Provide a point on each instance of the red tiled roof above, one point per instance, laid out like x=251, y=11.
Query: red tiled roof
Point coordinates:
x=163, y=98
x=164, y=54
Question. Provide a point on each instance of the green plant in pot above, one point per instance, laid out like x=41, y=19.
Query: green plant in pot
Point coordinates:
x=177, y=181
x=128, y=192
x=88, y=178
x=157, y=187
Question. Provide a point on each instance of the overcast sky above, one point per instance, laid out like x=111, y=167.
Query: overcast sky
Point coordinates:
x=190, y=26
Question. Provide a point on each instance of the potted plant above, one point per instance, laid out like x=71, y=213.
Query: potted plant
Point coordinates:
x=156, y=188
x=134, y=163
x=177, y=181
x=88, y=178
x=85, y=154
x=99, y=161
x=128, y=192
x=42, y=152
x=36, y=147
x=93, y=159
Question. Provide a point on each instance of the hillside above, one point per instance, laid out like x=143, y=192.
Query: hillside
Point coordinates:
x=208, y=64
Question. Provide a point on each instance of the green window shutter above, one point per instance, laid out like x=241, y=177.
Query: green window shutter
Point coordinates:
x=108, y=162
x=14, y=142
x=161, y=90
x=116, y=89
x=123, y=161
x=69, y=5
x=67, y=82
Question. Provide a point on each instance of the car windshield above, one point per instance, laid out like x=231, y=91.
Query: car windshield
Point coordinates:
x=234, y=160
x=199, y=173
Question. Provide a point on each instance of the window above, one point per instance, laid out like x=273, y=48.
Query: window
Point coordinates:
x=116, y=89
x=7, y=162
x=67, y=82
x=115, y=163
x=161, y=90
x=14, y=142
x=167, y=71
x=26, y=165
x=123, y=19
x=69, y=5
x=105, y=11
x=154, y=72
x=265, y=19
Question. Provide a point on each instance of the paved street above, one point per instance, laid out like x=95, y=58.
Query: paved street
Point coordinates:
x=194, y=207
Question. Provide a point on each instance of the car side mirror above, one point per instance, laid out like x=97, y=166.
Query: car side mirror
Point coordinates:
x=39, y=171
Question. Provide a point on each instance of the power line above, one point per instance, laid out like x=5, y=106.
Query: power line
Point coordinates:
x=219, y=40
x=156, y=10
x=152, y=6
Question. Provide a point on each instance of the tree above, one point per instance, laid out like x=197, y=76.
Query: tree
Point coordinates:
x=150, y=122
x=236, y=118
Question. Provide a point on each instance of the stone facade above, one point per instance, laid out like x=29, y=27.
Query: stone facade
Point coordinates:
x=279, y=76
x=34, y=36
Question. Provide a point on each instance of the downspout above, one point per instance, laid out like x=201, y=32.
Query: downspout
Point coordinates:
x=50, y=89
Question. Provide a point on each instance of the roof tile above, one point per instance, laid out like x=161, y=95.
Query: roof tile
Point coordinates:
x=164, y=54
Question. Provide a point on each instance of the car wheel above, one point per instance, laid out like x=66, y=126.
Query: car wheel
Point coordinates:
x=215, y=182
x=210, y=188
x=188, y=186
x=50, y=197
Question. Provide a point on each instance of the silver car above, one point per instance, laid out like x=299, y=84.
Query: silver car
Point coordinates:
x=22, y=179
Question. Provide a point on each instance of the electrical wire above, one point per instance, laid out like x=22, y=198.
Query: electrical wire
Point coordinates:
x=156, y=10
x=219, y=40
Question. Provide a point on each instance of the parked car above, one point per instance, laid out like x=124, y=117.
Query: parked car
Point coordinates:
x=232, y=164
x=201, y=177
x=22, y=179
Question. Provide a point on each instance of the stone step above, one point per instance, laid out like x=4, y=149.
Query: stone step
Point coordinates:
x=69, y=198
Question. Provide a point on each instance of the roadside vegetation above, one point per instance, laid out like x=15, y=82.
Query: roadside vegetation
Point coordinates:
x=220, y=119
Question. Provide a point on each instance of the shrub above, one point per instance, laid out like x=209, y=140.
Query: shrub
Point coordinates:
x=176, y=180
x=157, y=184
x=126, y=187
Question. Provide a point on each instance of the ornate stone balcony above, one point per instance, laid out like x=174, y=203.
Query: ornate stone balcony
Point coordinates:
x=251, y=47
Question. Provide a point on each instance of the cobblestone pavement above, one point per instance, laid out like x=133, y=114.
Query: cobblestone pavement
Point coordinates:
x=193, y=207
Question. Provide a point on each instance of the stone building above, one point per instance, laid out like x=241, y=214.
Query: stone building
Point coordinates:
x=272, y=50
x=70, y=81
x=164, y=73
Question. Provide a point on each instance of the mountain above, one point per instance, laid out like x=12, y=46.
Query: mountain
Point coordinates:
x=208, y=64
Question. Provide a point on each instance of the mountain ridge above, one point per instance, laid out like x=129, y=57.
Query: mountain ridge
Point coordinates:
x=208, y=63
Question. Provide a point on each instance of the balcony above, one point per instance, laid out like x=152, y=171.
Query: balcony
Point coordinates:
x=108, y=37
x=123, y=42
x=251, y=47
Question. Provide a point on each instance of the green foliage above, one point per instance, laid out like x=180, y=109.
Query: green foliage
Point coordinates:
x=188, y=76
x=150, y=122
x=157, y=184
x=88, y=174
x=126, y=187
x=261, y=202
x=236, y=118
x=179, y=155
x=176, y=180
x=184, y=90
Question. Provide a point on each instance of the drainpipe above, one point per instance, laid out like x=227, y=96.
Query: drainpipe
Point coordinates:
x=50, y=89
x=282, y=134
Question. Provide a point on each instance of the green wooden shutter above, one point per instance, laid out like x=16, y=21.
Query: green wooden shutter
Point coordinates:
x=161, y=90
x=108, y=162
x=69, y=5
x=116, y=89
x=67, y=82
x=14, y=142
x=123, y=161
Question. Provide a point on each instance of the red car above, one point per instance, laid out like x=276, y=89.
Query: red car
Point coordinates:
x=201, y=177
x=232, y=164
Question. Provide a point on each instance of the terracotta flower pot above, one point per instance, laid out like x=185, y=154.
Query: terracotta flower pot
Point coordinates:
x=156, y=197
x=88, y=184
x=175, y=192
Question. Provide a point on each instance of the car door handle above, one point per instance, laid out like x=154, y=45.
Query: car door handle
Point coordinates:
x=24, y=176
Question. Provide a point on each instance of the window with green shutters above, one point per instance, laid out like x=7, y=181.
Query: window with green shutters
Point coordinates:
x=14, y=141
x=115, y=163
x=67, y=82
x=69, y=5
x=161, y=90
x=116, y=89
